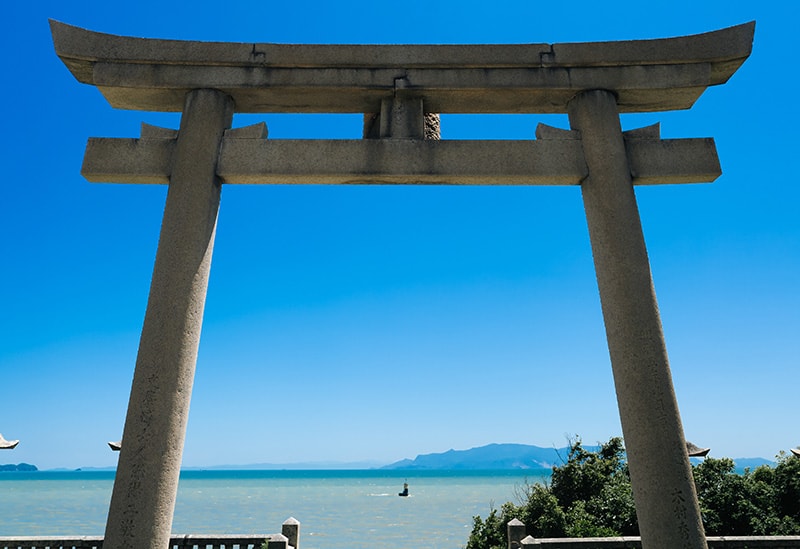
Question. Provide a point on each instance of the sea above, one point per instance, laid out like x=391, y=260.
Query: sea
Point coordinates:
x=340, y=509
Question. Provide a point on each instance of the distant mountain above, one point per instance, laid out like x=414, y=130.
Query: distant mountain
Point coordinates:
x=515, y=456
x=491, y=456
x=752, y=463
x=18, y=467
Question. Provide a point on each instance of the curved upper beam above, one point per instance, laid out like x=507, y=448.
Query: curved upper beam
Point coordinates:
x=646, y=75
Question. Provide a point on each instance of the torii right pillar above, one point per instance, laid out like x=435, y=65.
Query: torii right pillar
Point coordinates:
x=651, y=424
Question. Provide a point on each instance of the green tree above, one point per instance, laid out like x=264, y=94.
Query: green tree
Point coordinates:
x=589, y=495
x=786, y=481
x=760, y=502
x=489, y=533
x=730, y=504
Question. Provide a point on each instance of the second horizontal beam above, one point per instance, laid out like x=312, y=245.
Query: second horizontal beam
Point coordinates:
x=401, y=161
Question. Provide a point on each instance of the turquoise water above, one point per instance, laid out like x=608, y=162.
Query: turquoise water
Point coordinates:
x=336, y=509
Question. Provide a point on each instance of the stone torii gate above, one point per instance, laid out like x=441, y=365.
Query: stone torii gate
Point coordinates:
x=397, y=86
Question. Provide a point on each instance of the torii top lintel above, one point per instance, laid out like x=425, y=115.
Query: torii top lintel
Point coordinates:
x=646, y=75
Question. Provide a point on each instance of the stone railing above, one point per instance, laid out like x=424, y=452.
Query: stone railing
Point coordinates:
x=289, y=538
x=634, y=542
x=517, y=539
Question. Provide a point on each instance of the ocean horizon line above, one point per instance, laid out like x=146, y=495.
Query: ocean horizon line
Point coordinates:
x=490, y=457
x=301, y=468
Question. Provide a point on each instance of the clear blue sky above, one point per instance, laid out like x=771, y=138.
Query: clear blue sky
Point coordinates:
x=378, y=323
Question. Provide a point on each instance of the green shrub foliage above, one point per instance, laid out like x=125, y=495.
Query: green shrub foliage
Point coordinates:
x=760, y=502
x=589, y=495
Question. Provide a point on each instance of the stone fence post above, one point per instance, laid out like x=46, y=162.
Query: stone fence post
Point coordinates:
x=291, y=529
x=516, y=532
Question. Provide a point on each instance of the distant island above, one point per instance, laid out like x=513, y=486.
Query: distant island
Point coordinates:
x=514, y=457
x=491, y=456
x=18, y=467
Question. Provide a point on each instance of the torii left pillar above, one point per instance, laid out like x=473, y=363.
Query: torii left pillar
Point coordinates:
x=146, y=483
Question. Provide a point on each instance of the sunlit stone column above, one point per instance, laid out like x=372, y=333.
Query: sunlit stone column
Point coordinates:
x=146, y=484
x=663, y=488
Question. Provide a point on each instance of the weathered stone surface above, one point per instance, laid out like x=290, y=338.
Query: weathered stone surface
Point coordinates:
x=515, y=531
x=661, y=478
x=146, y=482
x=433, y=128
x=277, y=541
x=646, y=75
x=402, y=162
x=291, y=529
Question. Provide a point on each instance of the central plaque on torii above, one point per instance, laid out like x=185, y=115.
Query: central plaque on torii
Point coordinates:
x=399, y=88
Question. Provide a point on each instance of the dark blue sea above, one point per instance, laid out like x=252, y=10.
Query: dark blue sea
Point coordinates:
x=336, y=509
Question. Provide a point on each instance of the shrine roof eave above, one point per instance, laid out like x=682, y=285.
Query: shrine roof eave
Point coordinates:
x=647, y=75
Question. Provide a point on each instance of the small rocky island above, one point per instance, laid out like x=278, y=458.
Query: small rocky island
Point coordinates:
x=18, y=467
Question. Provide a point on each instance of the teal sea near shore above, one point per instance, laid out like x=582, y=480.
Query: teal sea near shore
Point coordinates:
x=336, y=509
